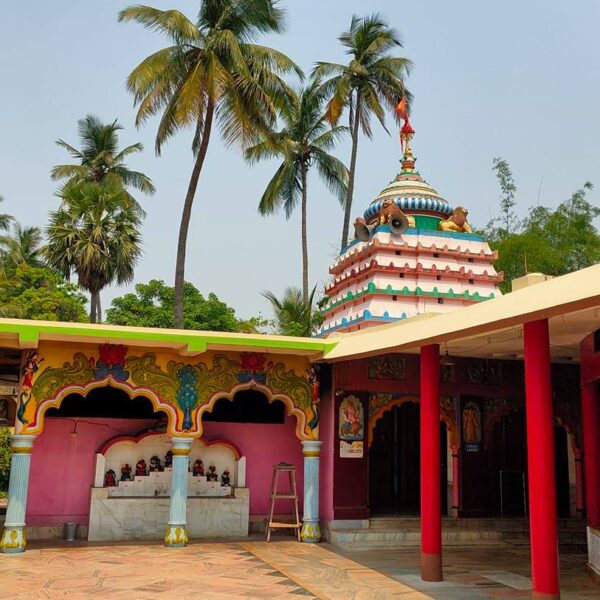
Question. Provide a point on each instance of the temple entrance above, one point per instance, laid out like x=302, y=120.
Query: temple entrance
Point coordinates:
x=394, y=470
x=561, y=453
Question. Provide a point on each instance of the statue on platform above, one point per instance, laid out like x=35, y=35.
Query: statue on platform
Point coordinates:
x=457, y=221
x=390, y=213
x=140, y=468
x=155, y=464
x=110, y=479
x=168, y=459
x=225, y=478
x=198, y=468
x=126, y=472
x=211, y=474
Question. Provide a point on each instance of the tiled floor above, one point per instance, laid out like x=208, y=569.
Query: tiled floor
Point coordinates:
x=282, y=570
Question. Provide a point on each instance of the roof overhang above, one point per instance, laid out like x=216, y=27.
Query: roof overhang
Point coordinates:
x=20, y=334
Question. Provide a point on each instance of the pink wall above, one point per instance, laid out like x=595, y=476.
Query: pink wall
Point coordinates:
x=327, y=434
x=263, y=446
x=62, y=468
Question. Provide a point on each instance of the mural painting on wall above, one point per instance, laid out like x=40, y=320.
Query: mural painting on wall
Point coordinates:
x=385, y=367
x=183, y=390
x=471, y=427
x=351, y=427
x=483, y=372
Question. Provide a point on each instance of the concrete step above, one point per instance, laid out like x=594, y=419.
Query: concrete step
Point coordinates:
x=386, y=533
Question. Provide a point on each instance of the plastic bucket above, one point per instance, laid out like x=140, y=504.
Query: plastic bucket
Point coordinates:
x=70, y=531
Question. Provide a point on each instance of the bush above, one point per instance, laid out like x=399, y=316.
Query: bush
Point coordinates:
x=5, y=455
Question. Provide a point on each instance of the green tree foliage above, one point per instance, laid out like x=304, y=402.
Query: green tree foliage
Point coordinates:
x=100, y=159
x=152, y=306
x=5, y=220
x=293, y=316
x=5, y=456
x=370, y=83
x=551, y=241
x=94, y=234
x=302, y=143
x=508, y=221
x=22, y=246
x=40, y=293
x=211, y=70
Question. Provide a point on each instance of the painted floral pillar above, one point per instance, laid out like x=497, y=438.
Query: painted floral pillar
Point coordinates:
x=311, y=531
x=176, y=535
x=13, y=539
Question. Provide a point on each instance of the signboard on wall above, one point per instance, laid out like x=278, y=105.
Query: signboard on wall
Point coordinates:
x=351, y=449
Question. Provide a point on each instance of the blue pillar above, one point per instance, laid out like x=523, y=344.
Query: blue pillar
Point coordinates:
x=176, y=535
x=311, y=532
x=13, y=539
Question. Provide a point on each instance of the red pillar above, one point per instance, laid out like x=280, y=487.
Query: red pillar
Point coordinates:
x=590, y=419
x=431, y=509
x=540, y=456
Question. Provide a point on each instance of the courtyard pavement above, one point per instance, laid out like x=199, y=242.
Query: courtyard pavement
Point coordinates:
x=281, y=570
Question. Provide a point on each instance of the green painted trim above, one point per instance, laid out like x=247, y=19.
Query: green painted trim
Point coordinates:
x=405, y=291
x=197, y=341
x=426, y=222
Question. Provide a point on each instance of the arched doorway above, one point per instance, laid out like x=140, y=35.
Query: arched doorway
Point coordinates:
x=63, y=460
x=394, y=463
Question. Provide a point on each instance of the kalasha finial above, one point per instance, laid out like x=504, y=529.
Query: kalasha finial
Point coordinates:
x=406, y=134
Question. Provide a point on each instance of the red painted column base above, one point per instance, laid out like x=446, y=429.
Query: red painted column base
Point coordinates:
x=431, y=567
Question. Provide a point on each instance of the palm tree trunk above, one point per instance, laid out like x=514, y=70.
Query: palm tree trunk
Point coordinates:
x=98, y=308
x=348, y=208
x=92, y=307
x=187, y=213
x=304, y=238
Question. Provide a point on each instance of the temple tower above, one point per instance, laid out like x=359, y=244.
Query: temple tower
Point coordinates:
x=413, y=253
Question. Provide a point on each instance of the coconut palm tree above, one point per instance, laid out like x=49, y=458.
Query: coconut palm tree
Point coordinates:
x=95, y=235
x=211, y=71
x=368, y=85
x=100, y=158
x=5, y=220
x=23, y=246
x=302, y=143
x=294, y=316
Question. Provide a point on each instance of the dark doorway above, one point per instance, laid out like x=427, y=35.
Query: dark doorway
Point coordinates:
x=507, y=460
x=561, y=453
x=105, y=402
x=394, y=469
x=247, y=406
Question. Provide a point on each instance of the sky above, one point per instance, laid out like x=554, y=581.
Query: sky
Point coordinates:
x=519, y=79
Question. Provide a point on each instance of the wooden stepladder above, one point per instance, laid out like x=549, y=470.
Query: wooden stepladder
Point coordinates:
x=290, y=494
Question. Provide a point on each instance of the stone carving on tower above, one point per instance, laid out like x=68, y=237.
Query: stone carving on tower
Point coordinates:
x=413, y=253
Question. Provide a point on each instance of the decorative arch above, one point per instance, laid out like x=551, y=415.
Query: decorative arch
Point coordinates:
x=291, y=409
x=379, y=404
x=36, y=426
x=184, y=391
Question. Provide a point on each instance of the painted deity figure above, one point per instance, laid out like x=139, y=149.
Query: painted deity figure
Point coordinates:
x=125, y=472
x=351, y=421
x=155, y=464
x=457, y=221
x=30, y=368
x=312, y=375
x=211, y=474
x=110, y=479
x=225, y=478
x=140, y=468
x=471, y=424
x=198, y=468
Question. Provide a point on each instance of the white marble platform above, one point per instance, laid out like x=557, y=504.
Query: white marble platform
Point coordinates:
x=158, y=483
x=145, y=518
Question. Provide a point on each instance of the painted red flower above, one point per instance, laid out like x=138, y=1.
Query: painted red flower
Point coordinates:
x=112, y=354
x=252, y=361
